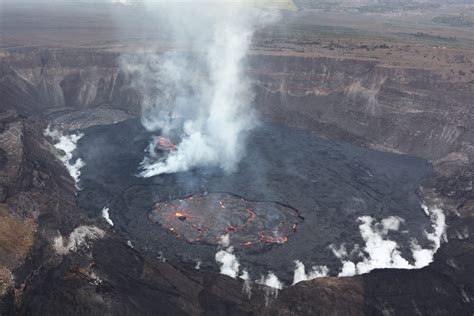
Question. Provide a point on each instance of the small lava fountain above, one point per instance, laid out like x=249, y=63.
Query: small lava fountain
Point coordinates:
x=204, y=218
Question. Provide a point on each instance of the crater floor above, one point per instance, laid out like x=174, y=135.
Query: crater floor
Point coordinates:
x=320, y=186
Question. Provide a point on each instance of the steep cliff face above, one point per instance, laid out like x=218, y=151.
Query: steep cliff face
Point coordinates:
x=42, y=80
x=406, y=110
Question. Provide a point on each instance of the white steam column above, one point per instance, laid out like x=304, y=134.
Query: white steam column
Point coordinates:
x=203, y=90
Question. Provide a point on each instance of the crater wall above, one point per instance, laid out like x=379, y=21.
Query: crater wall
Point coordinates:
x=406, y=110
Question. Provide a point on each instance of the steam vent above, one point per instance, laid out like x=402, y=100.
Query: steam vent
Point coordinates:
x=236, y=157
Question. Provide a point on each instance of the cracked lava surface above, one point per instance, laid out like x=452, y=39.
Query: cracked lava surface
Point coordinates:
x=205, y=218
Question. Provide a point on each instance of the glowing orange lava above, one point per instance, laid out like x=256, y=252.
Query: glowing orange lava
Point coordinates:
x=164, y=143
x=205, y=218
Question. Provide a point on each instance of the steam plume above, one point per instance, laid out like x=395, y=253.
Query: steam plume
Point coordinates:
x=315, y=272
x=273, y=286
x=203, y=95
x=271, y=280
x=247, y=286
x=380, y=252
x=77, y=239
x=66, y=144
x=106, y=216
x=229, y=265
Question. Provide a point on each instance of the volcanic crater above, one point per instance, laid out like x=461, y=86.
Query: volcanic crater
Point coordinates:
x=407, y=91
x=291, y=198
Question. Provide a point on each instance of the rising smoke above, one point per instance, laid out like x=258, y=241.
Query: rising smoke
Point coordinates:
x=315, y=272
x=77, y=239
x=380, y=252
x=229, y=265
x=66, y=144
x=199, y=92
x=273, y=285
x=106, y=215
x=247, y=286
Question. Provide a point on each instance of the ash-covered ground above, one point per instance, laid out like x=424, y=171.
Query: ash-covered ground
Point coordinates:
x=328, y=184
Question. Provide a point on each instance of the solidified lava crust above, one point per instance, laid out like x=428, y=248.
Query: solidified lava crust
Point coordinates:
x=205, y=218
x=329, y=183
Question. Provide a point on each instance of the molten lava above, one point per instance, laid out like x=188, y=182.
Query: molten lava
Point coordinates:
x=204, y=218
x=164, y=143
x=181, y=216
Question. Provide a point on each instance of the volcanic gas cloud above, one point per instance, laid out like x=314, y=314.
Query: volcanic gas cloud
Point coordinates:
x=202, y=96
